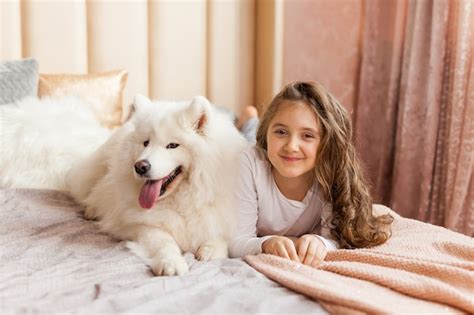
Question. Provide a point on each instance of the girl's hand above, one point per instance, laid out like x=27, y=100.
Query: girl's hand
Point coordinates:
x=280, y=246
x=311, y=250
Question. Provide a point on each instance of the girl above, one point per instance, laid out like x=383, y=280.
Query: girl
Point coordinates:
x=301, y=191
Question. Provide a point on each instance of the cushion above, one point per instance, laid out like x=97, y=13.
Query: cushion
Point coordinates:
x=18, y=79
x=101, y=91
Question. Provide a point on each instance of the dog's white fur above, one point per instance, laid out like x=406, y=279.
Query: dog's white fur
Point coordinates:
x=194, y=215
x=39, y=140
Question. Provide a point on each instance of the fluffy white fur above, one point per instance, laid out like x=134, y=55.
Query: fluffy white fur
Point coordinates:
x=195, y=214
x=40, y=139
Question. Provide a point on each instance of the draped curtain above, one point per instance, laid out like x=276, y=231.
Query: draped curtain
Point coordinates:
x=414, y=117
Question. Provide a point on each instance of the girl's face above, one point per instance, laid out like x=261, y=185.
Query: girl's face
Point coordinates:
x=293, y=139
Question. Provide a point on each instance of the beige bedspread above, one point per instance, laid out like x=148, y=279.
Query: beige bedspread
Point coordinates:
x=422, y=269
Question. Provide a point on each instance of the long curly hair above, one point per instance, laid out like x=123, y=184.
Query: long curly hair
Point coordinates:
x=337, y=168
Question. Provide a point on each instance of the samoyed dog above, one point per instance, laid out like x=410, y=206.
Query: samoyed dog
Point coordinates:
x=163, y=181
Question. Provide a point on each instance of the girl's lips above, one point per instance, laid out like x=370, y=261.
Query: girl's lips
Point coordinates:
x=290, y=159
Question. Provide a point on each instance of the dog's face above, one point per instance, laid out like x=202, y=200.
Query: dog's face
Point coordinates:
x=162, y=143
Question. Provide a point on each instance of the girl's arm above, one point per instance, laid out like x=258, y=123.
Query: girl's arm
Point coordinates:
x=245, y=240
x=325, y=228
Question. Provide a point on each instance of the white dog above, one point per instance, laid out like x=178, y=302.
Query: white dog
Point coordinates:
x=163, y=180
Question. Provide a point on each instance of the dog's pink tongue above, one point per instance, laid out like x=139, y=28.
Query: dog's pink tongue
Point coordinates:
x=150, y=193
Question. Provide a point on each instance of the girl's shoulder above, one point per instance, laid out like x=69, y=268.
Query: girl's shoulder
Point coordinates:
x=254, y=154
x=255, y=158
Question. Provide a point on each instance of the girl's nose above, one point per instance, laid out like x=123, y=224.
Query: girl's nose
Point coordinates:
x=292, y=145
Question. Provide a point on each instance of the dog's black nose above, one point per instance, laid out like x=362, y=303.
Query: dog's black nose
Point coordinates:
x=142, y=167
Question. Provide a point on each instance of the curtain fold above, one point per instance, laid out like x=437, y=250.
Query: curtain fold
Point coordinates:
x=453, y=206
x=419, y=107
x=413, y=119
x=375, y=115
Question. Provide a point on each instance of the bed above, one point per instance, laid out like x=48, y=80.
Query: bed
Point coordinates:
x=52, y=260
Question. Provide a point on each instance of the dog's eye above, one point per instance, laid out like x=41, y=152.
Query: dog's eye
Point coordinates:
x=172, y=145
x=145, y=144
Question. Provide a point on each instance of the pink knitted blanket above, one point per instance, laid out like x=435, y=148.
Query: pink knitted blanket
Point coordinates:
x=422, y=269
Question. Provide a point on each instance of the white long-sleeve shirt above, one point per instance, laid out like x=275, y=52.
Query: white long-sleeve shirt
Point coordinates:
x=265, y=212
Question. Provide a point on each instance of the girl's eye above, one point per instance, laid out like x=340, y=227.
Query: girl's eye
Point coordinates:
x=172, y=145
x=280, y=132
x=145, y=144
x=308, y=136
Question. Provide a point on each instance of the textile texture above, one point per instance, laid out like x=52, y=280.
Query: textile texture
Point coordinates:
x=413, y=121
x=18, y=79
x=53, y=261
x=422, y=268
x=101, y=91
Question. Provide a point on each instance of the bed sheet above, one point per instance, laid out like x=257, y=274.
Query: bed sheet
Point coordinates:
x=52, y=260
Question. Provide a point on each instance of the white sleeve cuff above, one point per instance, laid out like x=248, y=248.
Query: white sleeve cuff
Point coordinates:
x=330, y=245
x=247, y=246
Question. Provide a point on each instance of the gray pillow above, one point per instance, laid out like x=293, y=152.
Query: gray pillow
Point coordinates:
x=18, y=79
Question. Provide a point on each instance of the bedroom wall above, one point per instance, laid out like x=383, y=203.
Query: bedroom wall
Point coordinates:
x=322, y=43
x=171, y=49
x=234, y=52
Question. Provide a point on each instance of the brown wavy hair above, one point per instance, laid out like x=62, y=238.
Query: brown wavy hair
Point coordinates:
x=337, y=169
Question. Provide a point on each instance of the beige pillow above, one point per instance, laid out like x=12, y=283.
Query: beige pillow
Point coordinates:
x=101, y=91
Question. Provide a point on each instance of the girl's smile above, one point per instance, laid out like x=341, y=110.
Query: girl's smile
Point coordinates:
x=290, y=159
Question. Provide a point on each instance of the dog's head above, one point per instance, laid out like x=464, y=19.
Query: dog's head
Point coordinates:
x=163, y=144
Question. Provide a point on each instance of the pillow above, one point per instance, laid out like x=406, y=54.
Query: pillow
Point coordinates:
x=101, y=91
x=18, y=79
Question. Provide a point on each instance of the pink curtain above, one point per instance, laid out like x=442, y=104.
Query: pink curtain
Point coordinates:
x=414, y=118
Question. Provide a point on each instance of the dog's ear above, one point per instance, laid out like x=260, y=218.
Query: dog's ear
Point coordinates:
x=139, y=102
x=198, y=113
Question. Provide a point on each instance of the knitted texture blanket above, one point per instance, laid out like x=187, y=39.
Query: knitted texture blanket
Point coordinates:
x=422, y=268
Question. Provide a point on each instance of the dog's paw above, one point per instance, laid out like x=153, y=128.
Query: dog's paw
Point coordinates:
x=169, y=266
x=208, y=251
